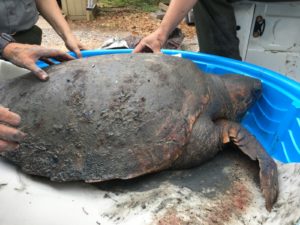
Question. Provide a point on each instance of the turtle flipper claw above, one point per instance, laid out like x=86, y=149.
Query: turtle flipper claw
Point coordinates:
x=268, y=181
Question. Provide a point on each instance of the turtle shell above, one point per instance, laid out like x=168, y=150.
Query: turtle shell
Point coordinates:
x=106, y=117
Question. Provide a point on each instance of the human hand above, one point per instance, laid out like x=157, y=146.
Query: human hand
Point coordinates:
x=74, y=45
x=25, y=56
x=9, y=136
x=152, y=43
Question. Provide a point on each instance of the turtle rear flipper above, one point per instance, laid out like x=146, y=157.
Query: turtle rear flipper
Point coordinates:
x=247, y=143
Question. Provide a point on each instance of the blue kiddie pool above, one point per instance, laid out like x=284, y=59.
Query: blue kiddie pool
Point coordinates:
x=275, y=118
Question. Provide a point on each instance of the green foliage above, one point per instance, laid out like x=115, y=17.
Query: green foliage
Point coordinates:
x=144, y=5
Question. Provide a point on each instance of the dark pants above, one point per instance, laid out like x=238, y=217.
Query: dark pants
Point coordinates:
x=216, y=28
x=31, y=36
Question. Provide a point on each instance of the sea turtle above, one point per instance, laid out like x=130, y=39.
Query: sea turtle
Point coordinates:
x=122, y=116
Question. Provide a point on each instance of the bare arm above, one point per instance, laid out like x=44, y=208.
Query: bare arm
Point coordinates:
x=50, y=10
x=177, y=10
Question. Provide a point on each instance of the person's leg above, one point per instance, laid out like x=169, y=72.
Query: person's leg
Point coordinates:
x=216, y=28
x=31, y=36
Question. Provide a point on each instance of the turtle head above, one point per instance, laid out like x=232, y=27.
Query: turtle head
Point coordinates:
x=243, y=92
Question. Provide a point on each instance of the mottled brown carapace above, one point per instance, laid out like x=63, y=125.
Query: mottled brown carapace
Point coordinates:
x=122, y=116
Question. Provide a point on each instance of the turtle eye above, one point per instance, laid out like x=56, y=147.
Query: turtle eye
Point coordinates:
x=239, y=98
x=256, y=92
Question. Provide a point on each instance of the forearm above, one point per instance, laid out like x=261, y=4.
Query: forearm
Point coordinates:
x=177, y=10
x=50, y=10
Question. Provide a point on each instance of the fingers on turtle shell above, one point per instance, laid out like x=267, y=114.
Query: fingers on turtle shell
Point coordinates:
x=8, y=146
x=9, y=117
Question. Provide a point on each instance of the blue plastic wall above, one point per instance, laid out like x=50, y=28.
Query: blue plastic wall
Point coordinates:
x=274, y=119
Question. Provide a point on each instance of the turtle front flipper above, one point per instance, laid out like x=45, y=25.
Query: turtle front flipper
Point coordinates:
x=235, y=133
